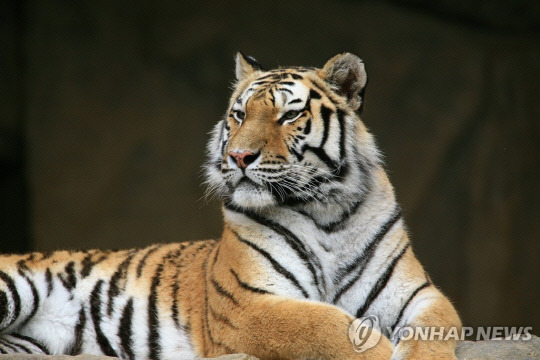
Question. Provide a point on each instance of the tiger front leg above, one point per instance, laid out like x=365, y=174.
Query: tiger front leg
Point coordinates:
x=430, y=309
x=273, y=327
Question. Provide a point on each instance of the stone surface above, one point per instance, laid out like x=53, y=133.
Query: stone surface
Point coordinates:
x=499, y=349
x=467, y=350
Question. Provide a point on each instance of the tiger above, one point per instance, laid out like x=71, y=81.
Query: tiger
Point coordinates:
x=313, y=238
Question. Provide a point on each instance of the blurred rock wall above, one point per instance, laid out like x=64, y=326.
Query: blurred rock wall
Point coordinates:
x=14, y=211
x=118, y=98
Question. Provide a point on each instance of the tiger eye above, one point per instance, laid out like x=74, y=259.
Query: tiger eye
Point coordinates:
x=239, y=115
x=291, y=114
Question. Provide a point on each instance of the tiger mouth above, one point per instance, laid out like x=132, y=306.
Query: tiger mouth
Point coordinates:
x=247, y=184
x=281, y=189
x=246, y=181
x=279, y=193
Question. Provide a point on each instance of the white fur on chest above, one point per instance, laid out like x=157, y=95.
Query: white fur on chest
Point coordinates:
x=334, y=250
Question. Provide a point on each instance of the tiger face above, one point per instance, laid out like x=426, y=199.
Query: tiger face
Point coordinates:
x=288, y=133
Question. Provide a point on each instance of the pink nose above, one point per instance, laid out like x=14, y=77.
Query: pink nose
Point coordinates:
x=243, y=159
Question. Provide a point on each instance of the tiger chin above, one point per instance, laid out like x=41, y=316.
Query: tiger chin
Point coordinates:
x=313, y=238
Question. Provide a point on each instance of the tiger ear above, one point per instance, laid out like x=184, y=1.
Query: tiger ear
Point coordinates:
x=346, y=73
x=245, y=66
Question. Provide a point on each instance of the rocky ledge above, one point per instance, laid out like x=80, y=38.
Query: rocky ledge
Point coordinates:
x=467, y=350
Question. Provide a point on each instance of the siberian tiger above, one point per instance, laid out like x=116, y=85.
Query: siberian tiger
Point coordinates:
x=313, y=237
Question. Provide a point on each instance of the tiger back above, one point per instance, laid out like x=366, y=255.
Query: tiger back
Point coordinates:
x=313, y=237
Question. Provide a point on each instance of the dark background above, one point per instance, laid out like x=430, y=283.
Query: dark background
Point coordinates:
x=105, y=109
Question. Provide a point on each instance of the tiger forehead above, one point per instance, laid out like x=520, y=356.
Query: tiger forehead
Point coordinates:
x=267, y=86
x=275, y=77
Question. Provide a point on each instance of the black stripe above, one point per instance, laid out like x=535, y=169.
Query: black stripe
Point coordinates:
x=406, y=304
x=14, y=295
x=324, y=157
x=125, y=331
x=329, y=94
x=153, y=316
x=360, y=262
x=46, y=255
x=247, y=286
x=381, y=233
x=216, y=255
x=88, y=264
x=325, y=115
x=272, y=97
x=365, y=165
x=280, y=269
x=307, y=106
x=381, y=283
x=362, y=266
x=3, y=306
x=174, y=308
x=294, y=101
x=223, y=292
x=114, y=289
x=314, y=94
x=266, y=76
x=17, y=345
x=71, y=278
x=76, y=348
x=142, y=262
x=206, y=324
x=49, y=280
x=70, y=281
x=341, y=120
x=304, y=253
x=285, y=90
x=33, y=342
x=95, y=312
x=319, y=87
x=23, y=348
x=30, y=257
x=22, y=267
x=8, y=346
x=338, y=224
x=319, y=150
x=35, y=300
x=3, y=351
x=298, y=155
x=307, y=129
x=208, y=310
x=362, y=94
x=221, y=318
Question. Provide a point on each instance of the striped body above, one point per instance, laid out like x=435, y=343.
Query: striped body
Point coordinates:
x=123, y=303
x=313, y=237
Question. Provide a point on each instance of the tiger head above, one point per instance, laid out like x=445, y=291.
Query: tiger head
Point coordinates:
x=292, y=136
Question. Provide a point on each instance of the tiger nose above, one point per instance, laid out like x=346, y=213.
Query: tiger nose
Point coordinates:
x=243, y=158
